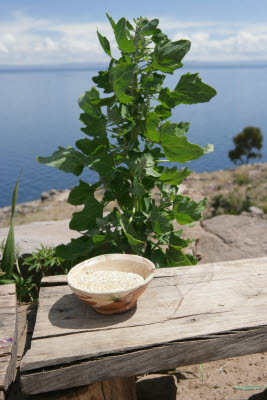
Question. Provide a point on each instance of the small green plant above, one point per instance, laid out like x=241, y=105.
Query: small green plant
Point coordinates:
x=130, y=137
x=44, y=262
x=242, y=179
x=230, y=203
x=25, y=287
x=246, y=142
x=8, y=249
x=27, y=275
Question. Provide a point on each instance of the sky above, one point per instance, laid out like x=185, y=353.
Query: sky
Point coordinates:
x=52, y=32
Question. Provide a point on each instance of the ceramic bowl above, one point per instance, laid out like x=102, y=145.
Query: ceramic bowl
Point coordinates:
x=114, y=302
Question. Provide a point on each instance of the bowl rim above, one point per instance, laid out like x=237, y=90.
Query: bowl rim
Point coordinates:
x=113, y=292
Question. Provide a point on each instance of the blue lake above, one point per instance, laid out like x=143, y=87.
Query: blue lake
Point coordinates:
x=39, y=112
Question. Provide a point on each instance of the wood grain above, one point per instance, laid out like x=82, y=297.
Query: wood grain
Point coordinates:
x=8, y=329
x=61, y=312
x=223, y=314
x=111, y=389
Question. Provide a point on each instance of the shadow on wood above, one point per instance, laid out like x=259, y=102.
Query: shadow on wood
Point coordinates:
x=67, y=312
x=112, y=389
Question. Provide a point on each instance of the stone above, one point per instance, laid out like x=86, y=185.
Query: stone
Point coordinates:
x=231, y=237
x=52, y=192
x=156, y=387
x=256, y=210
x=49, y=233
x=259, y=396
x=44, y=196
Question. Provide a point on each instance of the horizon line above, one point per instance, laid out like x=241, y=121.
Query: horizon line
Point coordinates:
x=95, y=66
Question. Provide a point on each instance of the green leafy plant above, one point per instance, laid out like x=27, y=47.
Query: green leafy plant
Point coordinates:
x=246, y=143
x=8, y=260
x=129, y=135
x=44, y=262
x=27, y=273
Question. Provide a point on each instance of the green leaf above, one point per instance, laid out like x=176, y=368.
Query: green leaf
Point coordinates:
x=90, y=147
x=152, y=82
x=68, y=160
x=94, y=126
x=112, y=23
x=176, y=240
x=250, y=387
x=103, y=163
x=163, y=112
x=148, y=163
x=7, y=264
x=159, y=37
x=103, y=82
x=169, y=129
x=160, y=221
x=138, y=188
x=104, y=43
x=14, y=199
x=168, y=98
x=176, y=258
x=152, y=123
x=79, y=193
x=87, y=217
x=130, y=233
x=150, y=28
x=114, y=114
x=6, y=281
x=186, y=211
x=122, y=77
x=8, y=260
x=98, y=238
x=158, y=257
x=191, y=90
x=125, y=45
x=171, y=176
x=167, y=55
x=89, y=102
x=80, y=247
x=176, y=146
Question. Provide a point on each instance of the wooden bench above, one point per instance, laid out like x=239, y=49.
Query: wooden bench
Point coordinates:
x=188, y=315
x=8, y=336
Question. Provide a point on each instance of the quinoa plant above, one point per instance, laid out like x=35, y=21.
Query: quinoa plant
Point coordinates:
x=128, y=136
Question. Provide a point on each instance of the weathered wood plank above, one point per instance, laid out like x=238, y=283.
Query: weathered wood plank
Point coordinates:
x=8, y=329
x=195, y=273
x=72, y=348
x=218, y=300
x=167, y=356
x=111, y=389
x=54, y=280
x=60, y=311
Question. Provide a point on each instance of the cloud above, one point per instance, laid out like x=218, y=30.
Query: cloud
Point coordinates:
x=27, y=41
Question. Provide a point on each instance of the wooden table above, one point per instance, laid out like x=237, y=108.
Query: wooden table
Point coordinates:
x=8, y=336
x=188, y=315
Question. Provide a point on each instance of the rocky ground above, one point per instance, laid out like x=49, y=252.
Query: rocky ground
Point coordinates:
x=232, y=191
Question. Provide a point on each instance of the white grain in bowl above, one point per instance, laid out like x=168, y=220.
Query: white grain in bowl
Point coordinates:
x=107, y=281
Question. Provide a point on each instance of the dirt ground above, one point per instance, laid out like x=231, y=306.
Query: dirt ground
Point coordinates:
x=207, y=382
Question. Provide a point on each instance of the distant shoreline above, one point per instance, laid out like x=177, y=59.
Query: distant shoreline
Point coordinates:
x=238, y=183
x=94, y=67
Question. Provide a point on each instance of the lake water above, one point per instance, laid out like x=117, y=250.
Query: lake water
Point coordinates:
x=39, y=111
